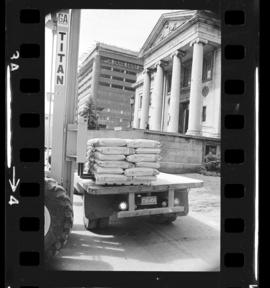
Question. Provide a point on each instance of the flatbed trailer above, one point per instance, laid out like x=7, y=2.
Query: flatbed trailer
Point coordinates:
x=163, y=200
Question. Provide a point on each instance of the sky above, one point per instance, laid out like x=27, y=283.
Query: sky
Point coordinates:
x=123, y=28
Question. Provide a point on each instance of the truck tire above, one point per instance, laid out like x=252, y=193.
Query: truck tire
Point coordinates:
x=58, y=218
x=164, y=218
x=90, y=224
x=95, y=224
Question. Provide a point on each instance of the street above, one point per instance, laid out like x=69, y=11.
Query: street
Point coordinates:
x=191, y=243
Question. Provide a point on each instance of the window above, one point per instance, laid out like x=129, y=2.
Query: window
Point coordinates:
x=119, y=70
x=120, y=120
x=105, y=76
x=106, y=67
x=108, y=110
x=150, y=98
x=140, y=101
x=117, y=86
x=104, y=84
x=131, y=73
x=118, y=78
x=204, y=114
x=129, y=80
x=186, y=75
x=129, y=88
x=207, y=67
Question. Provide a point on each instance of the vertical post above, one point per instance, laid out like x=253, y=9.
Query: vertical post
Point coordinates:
x=145, y=99
x=157, y=98
x=171, y=197
x=72, y=92
x=195, y=105
x=175, y=93
x=131, y=201
x=59, y=108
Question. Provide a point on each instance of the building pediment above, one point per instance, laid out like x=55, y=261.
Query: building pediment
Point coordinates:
x=168, y=24
x=167, y=29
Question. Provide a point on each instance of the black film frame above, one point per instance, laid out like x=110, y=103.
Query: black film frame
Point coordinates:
x=25, y=25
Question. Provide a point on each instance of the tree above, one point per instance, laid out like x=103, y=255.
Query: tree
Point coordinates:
x=89, y=111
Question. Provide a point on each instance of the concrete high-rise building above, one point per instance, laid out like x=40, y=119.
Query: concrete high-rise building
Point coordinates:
x=107, y=75
x=180, y=87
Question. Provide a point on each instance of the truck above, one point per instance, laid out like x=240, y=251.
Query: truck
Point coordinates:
x=164, y=200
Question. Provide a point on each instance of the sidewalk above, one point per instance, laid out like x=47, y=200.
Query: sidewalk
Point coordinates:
x=205, y=201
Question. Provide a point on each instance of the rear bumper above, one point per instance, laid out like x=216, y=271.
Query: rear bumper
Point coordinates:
x=154, y=211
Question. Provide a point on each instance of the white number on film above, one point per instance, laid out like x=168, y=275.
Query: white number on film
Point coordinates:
x=15, y=56
x=12, y=200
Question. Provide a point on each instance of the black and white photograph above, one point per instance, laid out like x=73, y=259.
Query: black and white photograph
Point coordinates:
x=132, y=140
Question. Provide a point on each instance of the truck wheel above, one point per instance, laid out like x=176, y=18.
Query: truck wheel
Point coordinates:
x=165, y=218
x=103, y=222
x=94, y=224
x=58, y=218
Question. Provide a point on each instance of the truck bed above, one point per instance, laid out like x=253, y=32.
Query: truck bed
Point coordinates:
x=164, y=182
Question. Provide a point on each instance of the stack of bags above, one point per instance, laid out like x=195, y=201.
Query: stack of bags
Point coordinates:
x=115, y=161
x=146, y=160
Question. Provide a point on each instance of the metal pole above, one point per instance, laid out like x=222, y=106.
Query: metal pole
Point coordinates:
x=51, y=88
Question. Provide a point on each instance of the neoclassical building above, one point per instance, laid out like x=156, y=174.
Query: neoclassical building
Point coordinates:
x=180, y=86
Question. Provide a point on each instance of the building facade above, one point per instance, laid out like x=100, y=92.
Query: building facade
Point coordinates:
x=180, y=87
x=107, y=76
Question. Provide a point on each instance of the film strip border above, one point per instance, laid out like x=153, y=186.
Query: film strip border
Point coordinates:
x=24, y=181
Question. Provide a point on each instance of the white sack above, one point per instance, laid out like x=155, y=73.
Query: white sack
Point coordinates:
x=101, y=156
x=115, y=164
x=108, y=142
x=102, y=170
x=111, y=178
x=143, y=143
x=141, y=171
x=144, y=178
x=148, y=151
x=115, y=150
x=154, y=165
x=144, y=158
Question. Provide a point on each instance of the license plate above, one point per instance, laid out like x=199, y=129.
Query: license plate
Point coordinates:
x=149, y=200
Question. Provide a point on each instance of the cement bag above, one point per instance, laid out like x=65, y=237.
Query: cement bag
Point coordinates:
x=143, y=158
x=148, y=151
x=143, y=143
x=144, y=178
x=102, y=170
x=154, y=165
x=111, y=178
x=115, y=150
x=113, y=164
x=141, y=171
x=101, y=156
x=107, y=142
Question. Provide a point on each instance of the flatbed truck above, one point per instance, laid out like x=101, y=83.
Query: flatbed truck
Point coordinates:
x=163, y=200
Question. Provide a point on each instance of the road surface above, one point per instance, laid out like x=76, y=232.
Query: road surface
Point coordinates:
x=191, y=243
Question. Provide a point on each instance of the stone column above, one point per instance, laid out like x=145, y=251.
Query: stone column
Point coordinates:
x=217, y=93
x=136, y=110
x=145, y=99
x=157, y=98
x=195, y=103
x=175, y=93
